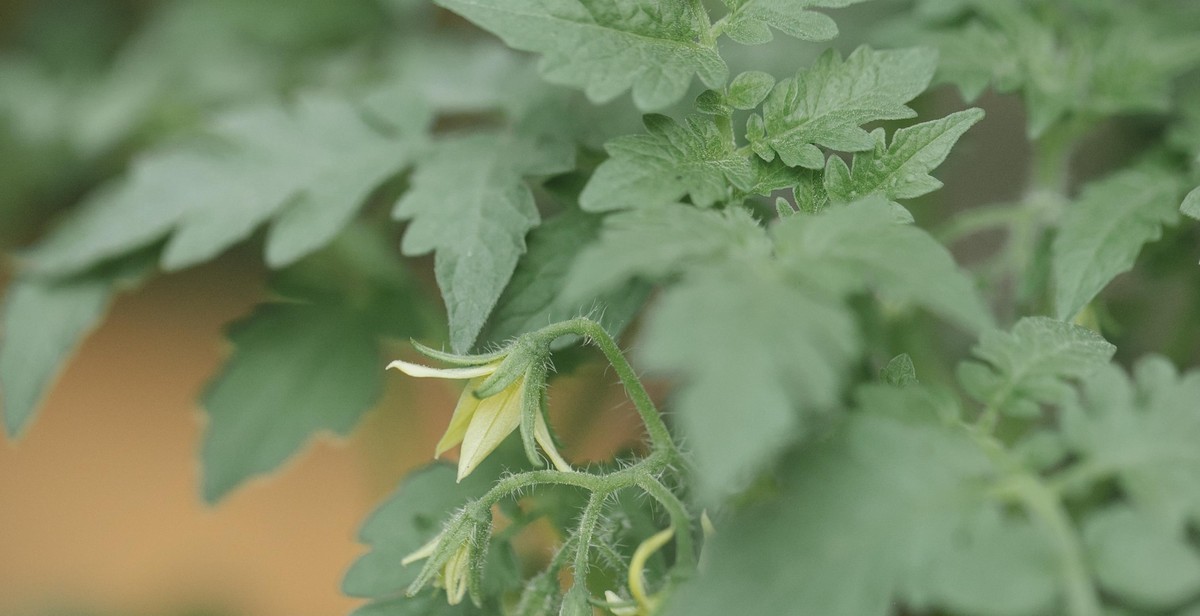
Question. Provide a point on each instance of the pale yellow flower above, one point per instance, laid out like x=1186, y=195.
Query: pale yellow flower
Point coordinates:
x=480, y=425
x=453, y=576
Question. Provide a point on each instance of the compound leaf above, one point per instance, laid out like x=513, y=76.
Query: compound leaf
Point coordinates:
x=670, y=161
x=1030, y=364
x=470, y=204
x=606, y=47
x=756, y=357
x=849, y=249
x=1102, y=233
x=651, y=244
x=307, y=169
x=885, y=511
x=827, y=104
x=296, y=369
x=1142, y=432
x=750, y=21
x=899, y=170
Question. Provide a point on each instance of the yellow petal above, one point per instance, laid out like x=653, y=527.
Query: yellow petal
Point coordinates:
x=422, y=552
x=618, y=606
x=466, y=372
x=454, y=575
x=467, y=406
x=493, y=420
x=541, y=433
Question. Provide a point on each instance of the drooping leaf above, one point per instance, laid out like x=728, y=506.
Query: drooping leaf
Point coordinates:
x=606, y=47
x=671, y=161
x=1030, y=365
x=885, y=513
x=469, y=204
x=650, y=244
x=296, y=369
x=1142, y=432
x=306, y=170
x=1104, y=230
x=750, y=21
x=899, y=170
x=827, y=104
x=850, y=249
x=534, y=299
x=757, y=358
x=44, y=319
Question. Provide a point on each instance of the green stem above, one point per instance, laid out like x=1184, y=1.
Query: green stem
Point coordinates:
x=685, y=551
x=610, y=482
x=588, y=522
x=660, y=435
x=1043, y=505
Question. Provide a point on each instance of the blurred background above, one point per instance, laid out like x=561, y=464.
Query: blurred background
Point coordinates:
x=100, y=511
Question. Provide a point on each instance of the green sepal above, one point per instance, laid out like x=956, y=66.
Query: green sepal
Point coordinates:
x=531, y=405
x=517, y=361
x=455, y=359
x=480, y=542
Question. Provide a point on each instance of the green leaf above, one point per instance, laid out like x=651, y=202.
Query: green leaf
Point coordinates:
x=664, y=165
x=1104, y=230
x=606, y=47
x=1191, y=203
x=1096, y=59
x=1030, y=364
x=899, y=170
x=899, y=371
x=748, y=90
x=1143, y=433
x=306, y=170
x=886, y=512
x=534, y=299
x=44, y=319
x=827, y=104
x=850, y=249
x=749, y=21
x=1141, y=560
x=654, y=243
x=757, y=359
x=296, y=369
x=470, y=204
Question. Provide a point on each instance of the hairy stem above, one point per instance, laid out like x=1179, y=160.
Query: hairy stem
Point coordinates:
x=685, y=551
x=660, y=435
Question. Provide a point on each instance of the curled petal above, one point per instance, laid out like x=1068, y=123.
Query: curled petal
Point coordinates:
x=465, y=372
x=541, y=432
x=423, y=552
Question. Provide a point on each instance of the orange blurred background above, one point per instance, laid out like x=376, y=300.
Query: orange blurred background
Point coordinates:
x=100, y=505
